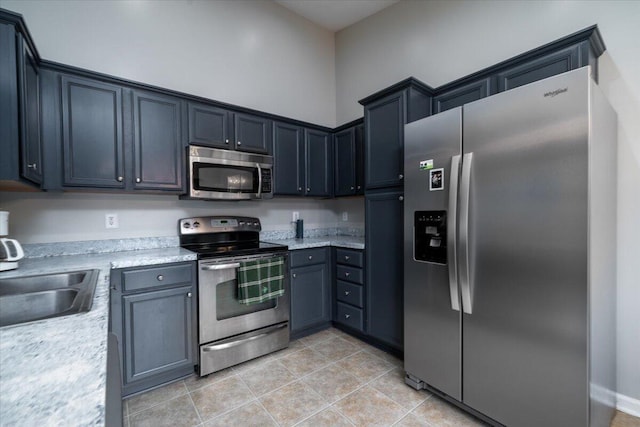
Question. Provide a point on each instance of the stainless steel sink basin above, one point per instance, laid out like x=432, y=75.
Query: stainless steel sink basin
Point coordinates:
x=25, y=299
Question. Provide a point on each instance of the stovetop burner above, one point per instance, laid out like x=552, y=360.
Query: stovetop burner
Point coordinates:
x=216, y=236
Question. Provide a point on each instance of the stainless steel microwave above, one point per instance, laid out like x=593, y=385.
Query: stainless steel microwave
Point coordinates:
x=216, y=174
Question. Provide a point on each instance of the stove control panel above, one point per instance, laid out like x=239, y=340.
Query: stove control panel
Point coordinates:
x=217, y=224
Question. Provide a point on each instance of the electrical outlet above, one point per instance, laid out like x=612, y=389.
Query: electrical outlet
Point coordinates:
x=345, y=216
x=111, y=220
x=296, y=215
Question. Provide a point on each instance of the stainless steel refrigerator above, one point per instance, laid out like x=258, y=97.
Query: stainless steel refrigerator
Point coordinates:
x=510, y=254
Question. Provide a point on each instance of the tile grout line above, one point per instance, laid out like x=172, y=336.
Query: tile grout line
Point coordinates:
x=157, y=403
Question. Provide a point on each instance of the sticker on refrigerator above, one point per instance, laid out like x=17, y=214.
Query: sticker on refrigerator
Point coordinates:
x=436, y=179
x=426, y=165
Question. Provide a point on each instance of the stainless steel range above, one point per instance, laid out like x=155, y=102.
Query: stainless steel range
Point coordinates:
x=231, y=332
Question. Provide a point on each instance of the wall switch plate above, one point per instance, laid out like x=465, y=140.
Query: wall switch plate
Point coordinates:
x=345, y=216
x=295, y=216
x=111, y=220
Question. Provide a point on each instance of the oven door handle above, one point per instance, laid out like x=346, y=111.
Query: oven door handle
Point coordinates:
x=238, y=341
x=220, y=266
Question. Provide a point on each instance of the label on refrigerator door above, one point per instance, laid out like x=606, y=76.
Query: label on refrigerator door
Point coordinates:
x=426, y=164
x=436, y=179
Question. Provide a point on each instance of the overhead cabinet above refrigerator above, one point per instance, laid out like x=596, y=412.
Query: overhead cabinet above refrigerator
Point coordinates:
x=510, y=240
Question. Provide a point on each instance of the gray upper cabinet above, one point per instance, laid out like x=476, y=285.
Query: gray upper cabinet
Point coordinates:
x=384, y=130
x=92, y=133
x=319, y=163
x=29, y=75
x=252, y=133
x=20, y=139
x=460, y=95
x=348, y=161
x=539, y=68
x=209, y=126
x=288, y=159
x=158, y=149
x=303, y=161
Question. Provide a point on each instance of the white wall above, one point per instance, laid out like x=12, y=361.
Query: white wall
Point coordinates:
x=440, y=41
x=256, y=54
x=55, y=217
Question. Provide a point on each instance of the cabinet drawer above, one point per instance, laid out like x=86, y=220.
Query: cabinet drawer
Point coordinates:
x=302, y=257
x=350, y=274
x=156, y=276
x=349, y=316
x=349, y=293
x=349, y=257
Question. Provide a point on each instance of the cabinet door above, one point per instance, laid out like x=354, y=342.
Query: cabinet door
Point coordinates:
x=310, y=296
x=319, y=163
x=209, y=126
x=30, y=121
x=158, y=149
x=252, y=133
x=288, y=159
x=384, y=267
x=359, y=134
x=345, y=162
x=384, y=135
x=540, y=68
x=462, y=95
x=93, y=149
x=157, y=332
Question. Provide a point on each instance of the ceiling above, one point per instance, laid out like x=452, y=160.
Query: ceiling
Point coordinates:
x=335, y=15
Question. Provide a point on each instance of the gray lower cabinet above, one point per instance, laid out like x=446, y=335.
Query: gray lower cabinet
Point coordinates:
x=310, y=289
x=384, y=266
x=153, y=315
x=350, y=292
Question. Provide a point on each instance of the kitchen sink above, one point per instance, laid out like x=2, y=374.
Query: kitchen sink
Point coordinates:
x=25, y=299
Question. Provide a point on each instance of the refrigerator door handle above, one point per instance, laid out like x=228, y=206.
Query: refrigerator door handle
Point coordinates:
x=452, y=234
x=465, y=279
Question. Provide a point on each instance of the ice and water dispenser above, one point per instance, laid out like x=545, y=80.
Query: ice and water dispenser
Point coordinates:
x=430, y=239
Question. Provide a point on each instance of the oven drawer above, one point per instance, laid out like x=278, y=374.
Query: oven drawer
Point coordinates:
x=228, y=352
x=302, y=257
x=349, y=316
x=349, y=273
x=349, y=257
x=349, y=293
x=151, y=277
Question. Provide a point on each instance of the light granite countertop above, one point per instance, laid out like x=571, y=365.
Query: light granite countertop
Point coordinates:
x=53, y=371
x=316, y=242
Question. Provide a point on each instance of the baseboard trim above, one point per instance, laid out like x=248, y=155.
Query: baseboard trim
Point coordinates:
x=628, y=404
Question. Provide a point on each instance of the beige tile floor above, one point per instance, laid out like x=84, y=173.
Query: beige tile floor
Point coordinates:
x=326, y=379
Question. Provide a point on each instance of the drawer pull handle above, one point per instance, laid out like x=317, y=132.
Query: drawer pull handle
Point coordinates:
x=189, y=294
x=310, y=257
x=346, y=316
x=294, y=275
x=347, y=293
x=160, y=277
x=347, y=274
x=346, y=257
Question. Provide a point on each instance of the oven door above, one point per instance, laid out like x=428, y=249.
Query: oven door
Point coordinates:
x=220, y=314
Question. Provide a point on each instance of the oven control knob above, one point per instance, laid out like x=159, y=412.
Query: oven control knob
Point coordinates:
x=186, y=225
x=256, y=224
x=196, y=224
x=241, y=223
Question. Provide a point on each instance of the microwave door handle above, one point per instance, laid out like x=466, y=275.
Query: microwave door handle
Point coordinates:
x=259, y=180
x=220, y=266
